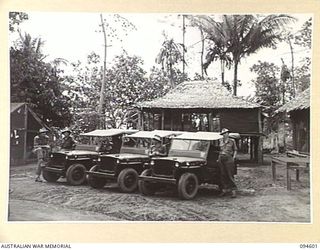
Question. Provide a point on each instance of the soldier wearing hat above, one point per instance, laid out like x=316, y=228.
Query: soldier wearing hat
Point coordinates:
x=158, y=149
x=228, y=153
x=41, y=148
x=68, y=142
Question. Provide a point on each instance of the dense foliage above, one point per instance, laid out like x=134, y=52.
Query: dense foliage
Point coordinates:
x=37, y=82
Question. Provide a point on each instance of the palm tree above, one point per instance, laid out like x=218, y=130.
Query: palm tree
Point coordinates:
x=170, y=54
x=218, y=52
x=31, y=46
x=242, y=35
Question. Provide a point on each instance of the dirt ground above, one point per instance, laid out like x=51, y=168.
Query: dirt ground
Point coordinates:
x=258, y=200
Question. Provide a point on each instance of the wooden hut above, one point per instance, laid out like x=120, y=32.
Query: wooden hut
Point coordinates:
x=205, y=106
x=299, y=112
x=24, y=126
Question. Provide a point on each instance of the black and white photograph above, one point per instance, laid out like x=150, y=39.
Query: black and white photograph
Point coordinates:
x=160, y=117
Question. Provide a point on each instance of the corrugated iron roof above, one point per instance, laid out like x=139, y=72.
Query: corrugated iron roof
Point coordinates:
x=302, y=101
x=198, y=94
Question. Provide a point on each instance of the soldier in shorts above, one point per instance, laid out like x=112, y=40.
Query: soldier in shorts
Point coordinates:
x=41, y=148
x=227, y=156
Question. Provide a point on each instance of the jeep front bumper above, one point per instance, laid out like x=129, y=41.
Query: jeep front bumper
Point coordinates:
x=158, y=179
x=101, y=174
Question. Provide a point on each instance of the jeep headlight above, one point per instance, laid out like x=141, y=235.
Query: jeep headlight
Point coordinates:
x=51, y=155
x=67, y=157
x=187, y=164
x=152, y=163
x=118, y=161
x=99, y=159
x=176, y=164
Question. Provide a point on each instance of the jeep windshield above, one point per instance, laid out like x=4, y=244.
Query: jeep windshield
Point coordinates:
x=189, y=148
x=135, y=145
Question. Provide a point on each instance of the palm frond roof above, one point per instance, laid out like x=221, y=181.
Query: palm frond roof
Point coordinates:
x=301, y=102
x=198, y=94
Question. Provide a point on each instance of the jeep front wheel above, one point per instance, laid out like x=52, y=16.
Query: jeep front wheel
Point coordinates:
x=145, y=187
x=128, y=180
x=95, y=181
x=76, y=174
x=50, y=176
x=188, y=186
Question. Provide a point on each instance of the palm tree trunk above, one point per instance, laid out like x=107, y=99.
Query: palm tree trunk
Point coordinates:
x=222, y=71
x=202, y=52
x=171, y=76
x=235, y=77
x=292, y=68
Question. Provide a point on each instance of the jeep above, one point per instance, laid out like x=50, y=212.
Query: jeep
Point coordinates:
x=73, y=164
x=191, y=161
x=124, y=168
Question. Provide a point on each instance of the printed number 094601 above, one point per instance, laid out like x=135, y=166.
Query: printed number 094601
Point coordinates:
x=308, y=246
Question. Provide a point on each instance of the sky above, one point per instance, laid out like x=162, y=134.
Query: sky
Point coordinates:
x=73, y=36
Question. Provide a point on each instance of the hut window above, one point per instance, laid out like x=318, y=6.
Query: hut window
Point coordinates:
x=200, y=122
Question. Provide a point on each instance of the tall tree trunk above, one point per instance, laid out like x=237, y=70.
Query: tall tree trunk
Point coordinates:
x=292, y=67
x=171, y=76
x=103, y=84
x=235, y=77
x=183, y=41
x=202, y=52
x=222, y=72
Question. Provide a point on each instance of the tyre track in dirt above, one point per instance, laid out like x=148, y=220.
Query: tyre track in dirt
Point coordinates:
x=271, y=202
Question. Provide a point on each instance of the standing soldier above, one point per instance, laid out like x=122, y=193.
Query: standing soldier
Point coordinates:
x=41, y=148
x=68, y=142
x=227, y=156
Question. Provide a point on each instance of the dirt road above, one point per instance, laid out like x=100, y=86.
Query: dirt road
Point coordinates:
x=259, y=200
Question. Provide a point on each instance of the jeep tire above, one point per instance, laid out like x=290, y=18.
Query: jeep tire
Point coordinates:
x=188, y=186
x=50, y=176
x=95, y=181
x=128, y=180
x=76, y=174
x=145, y=187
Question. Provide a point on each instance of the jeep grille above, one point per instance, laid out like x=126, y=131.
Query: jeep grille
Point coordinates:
x=163, y=167
x=58, y=159
x=108, y=163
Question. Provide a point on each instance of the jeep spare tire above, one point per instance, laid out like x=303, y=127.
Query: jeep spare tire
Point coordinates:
x=76, y=174
x=188, y=186
x=95, y=181
x=145, y=187
x=128, y=180
x=50, y=176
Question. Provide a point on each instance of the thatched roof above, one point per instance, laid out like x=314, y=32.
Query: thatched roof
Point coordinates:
x=302, y=101
x=199, y=94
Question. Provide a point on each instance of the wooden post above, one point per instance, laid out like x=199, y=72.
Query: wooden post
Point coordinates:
x=171, y=120
x=25, y=129
x=260, y=139
x=153, y=121
x=288, y=176
x=142, y=120
x=162, y=119
x=210, y=121
x=273, y=168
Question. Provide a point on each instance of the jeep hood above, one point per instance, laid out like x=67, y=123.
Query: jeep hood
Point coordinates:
x=75, y=152
x=128, y=156
x=181, y=159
